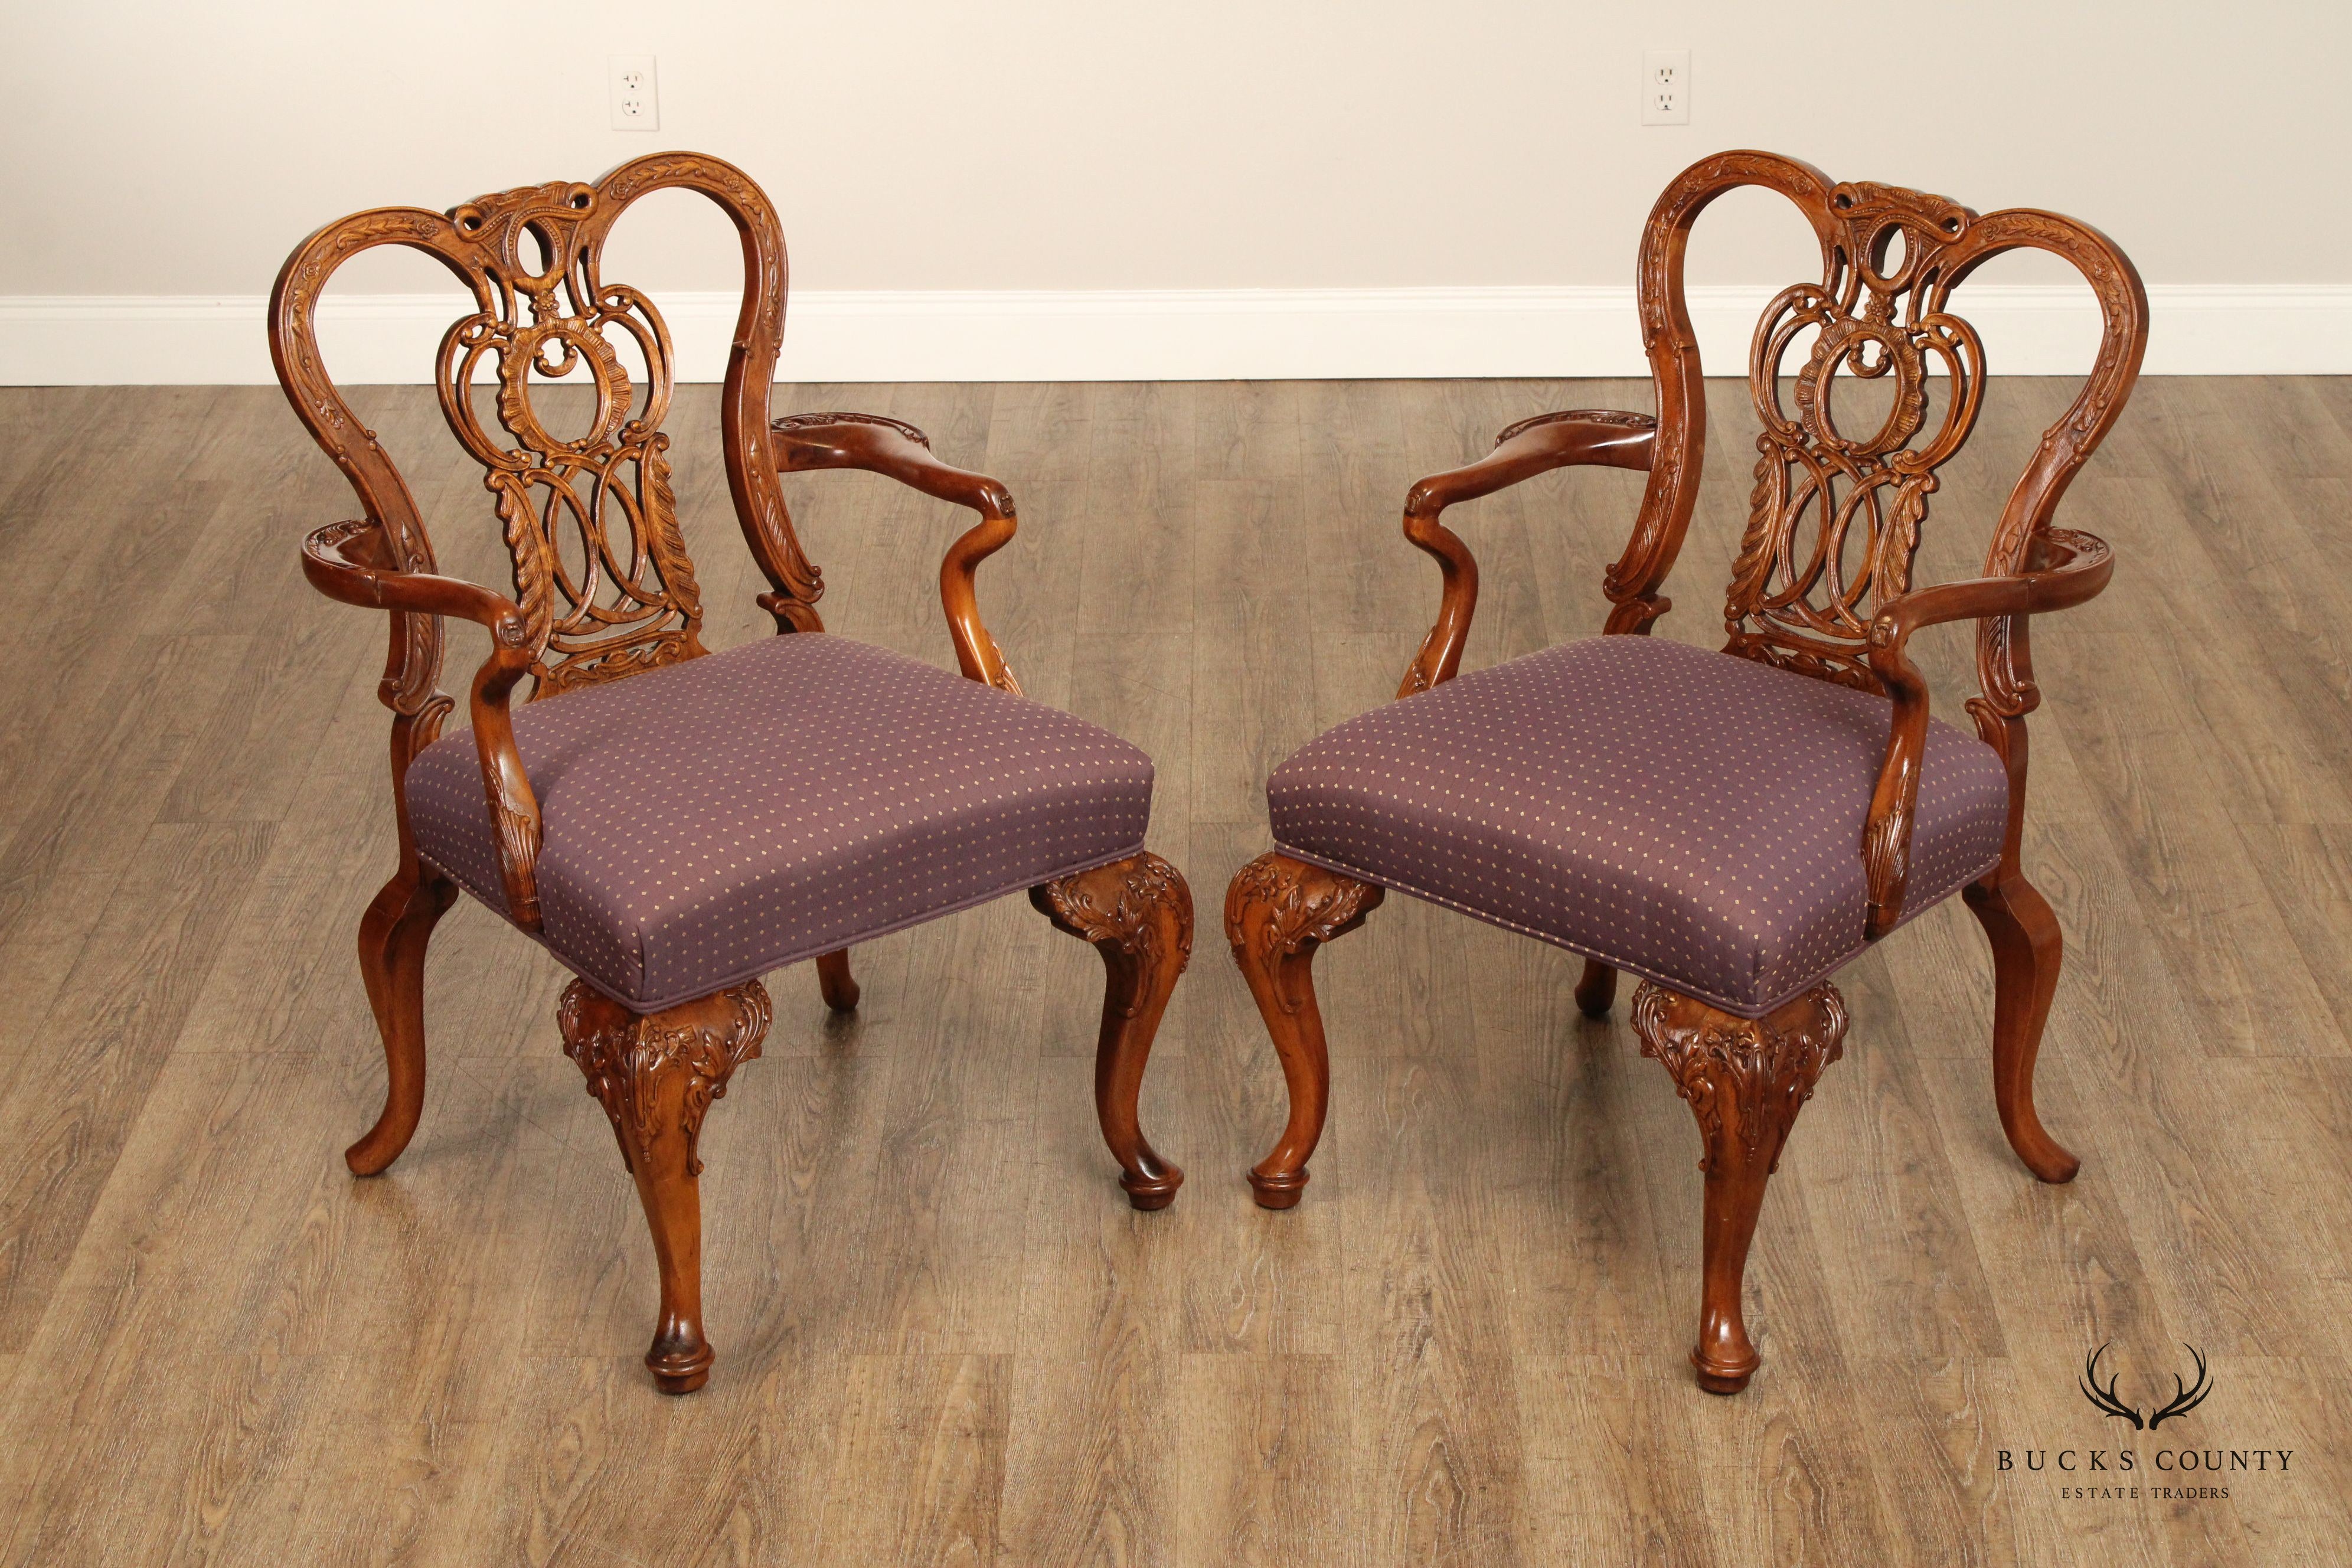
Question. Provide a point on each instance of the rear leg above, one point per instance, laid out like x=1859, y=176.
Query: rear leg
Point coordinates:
x=1597, y=990
x=833, y=981
x=393, y=934
x=2026, y=949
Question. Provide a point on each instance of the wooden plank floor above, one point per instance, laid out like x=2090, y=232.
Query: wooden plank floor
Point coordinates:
x=943, y=1337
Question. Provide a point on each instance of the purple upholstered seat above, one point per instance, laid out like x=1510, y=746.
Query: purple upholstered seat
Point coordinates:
x=1690, y=817
x=708, y=822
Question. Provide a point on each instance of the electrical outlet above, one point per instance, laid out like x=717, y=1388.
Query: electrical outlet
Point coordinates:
x=636, y=93
x=1665, y=87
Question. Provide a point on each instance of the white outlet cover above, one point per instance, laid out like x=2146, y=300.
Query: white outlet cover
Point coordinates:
x=1665, y=87
x=635, y=88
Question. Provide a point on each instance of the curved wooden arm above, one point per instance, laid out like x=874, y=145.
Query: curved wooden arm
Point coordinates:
x=2068, y=568
x=880, y=446
x=1597, y=436
x=346, y=561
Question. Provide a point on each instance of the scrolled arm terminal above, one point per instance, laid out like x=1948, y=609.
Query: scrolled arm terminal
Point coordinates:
x=809, y=442
x=1602, y=437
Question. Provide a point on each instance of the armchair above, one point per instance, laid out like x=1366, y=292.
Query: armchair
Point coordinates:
x=669, y=822
x=1733, y=827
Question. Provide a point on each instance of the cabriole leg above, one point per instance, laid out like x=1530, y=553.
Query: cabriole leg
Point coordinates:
x=1138, y=913
x=656, y=1074
x=2026, y=948
x=1277, y=912
x=393, y=934
x=1746, y=1078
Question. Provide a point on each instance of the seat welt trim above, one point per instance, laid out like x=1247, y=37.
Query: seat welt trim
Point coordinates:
x=1912, y=908
x=802, y=955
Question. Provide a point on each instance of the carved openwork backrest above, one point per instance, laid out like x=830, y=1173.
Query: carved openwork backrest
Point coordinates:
x=1839, y=500
x=601, y=570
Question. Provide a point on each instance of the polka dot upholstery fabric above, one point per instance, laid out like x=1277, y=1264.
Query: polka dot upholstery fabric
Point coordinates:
x=1690, y=817
x=708, y=822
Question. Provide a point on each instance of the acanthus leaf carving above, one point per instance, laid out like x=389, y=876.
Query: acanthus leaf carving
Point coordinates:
x=1121, y=905
x=1277, y=905
x=518, y=845
x=662, y=535
x=633, y=1061
x=1887, y=857
x=1006, y=681
x=1745, y=1079
x=534, y=575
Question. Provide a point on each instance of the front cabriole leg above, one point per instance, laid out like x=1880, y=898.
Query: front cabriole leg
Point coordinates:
x=1138, y=913
x=1745, y=1079
x=656, y=1075
x=1278, y=911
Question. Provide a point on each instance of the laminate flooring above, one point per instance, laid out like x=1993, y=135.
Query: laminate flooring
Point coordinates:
x=943, y=1336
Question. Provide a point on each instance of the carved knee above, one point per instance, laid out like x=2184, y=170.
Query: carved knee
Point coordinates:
x=1278, y=911
x=656, y=1074
x=1138, y=914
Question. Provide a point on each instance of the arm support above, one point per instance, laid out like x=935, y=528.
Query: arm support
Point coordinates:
x=343, y=561
x=1595, y=436
x=879, y=446
x=2068, y=568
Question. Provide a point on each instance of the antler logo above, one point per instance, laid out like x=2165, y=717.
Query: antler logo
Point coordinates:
x=2186, y=1397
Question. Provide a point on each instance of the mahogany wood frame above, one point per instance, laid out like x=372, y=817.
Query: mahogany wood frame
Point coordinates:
x=631, y=602
x=1890, y=259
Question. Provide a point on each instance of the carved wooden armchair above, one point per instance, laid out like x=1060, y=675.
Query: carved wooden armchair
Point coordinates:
x=674, y=822
x=1732, y=827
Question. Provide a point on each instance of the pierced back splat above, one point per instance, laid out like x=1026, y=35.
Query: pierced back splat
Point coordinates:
x=1836, y=515
x=601, y=570
x=1833, y=522
x=626, y=599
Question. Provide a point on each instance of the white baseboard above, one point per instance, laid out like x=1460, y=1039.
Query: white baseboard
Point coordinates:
x=1203, y=334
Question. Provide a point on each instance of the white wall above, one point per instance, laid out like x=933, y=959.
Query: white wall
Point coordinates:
x=1403, y=184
